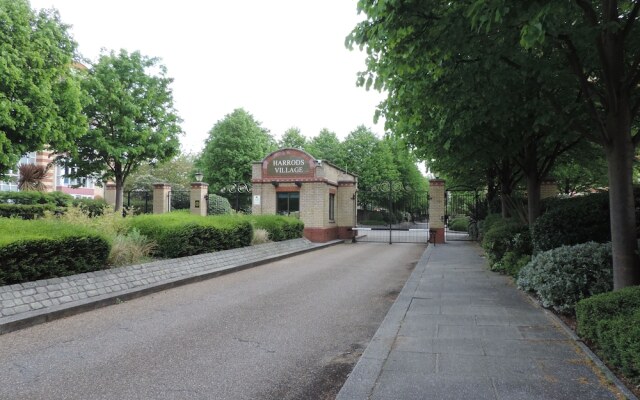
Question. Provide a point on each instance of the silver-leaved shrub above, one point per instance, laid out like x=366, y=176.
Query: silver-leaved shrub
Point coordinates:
x=565, y=275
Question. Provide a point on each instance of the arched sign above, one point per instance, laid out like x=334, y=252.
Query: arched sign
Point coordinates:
x=288, y=163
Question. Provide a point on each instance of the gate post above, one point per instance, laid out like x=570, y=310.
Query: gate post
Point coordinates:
x=198, y=200
x=160, y=198
x=437, y=209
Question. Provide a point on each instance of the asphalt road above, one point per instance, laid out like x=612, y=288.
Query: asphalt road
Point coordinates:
x=287, y=330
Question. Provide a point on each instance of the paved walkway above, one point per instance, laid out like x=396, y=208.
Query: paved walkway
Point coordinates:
x=458, y=331
x=36, y=302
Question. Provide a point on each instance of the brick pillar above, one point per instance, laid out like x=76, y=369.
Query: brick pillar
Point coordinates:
x=161, y=198
x=548, y=188
x=110, y=194
x=437, y=209
x=198, y=202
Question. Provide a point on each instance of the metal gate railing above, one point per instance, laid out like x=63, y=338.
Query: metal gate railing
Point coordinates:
x=466, y=206
x=391, y=212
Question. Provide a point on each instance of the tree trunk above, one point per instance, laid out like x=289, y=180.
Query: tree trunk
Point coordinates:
x=533, y=197
x=119, y=193
x=620, y=153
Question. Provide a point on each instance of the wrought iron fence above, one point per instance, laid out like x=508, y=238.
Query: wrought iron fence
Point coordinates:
x=179, y=200
x=239, y=196
x=138, y=201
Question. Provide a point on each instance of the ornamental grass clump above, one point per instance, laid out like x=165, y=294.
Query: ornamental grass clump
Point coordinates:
x=131, y=248
x=563, y=276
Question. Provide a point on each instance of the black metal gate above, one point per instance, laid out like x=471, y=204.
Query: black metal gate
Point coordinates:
x=390, y=212
x=179, y=200
x=239, y=195
x=464, y=207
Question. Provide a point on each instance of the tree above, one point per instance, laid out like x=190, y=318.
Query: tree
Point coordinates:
x=448, y=85
x=327, y=146
x=600, y=41
x=292, y=138
x=233, y=144
x=40, y=98
x=369, y=158
x=132, y=119
x=177, y=172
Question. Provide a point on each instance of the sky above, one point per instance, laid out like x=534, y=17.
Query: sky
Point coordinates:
x=283, y=61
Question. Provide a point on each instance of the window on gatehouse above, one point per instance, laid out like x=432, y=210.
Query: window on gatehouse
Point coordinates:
x=288, y=203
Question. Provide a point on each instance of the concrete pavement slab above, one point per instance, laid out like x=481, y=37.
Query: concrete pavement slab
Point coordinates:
x=464, y=332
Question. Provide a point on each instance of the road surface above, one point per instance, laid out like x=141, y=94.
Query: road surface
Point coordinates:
x=286, y=330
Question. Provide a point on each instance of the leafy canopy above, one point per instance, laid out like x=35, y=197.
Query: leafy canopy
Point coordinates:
x=40, y=97
x=132, y=119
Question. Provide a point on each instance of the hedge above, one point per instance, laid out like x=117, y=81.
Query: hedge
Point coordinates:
x=279, y=227
x=180, y=234
x=576, y=220
x=41, y=249
x=25, y=211
x=611, y=322
x=58, y=199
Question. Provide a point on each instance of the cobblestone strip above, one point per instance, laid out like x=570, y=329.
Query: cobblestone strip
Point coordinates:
x=33, y=296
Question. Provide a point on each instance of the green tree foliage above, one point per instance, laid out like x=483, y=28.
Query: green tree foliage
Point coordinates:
x=470, y=99
x=132, y=119
x=327, y=146
x=233, y=144
x=369, y=158
x=292, y=138
x=600, y=42
x=177, y=172
x=580, y=170
x=40, y=98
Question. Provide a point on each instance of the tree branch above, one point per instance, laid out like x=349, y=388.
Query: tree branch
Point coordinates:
x=590, y=14
x=631, y=20
x=576, y=66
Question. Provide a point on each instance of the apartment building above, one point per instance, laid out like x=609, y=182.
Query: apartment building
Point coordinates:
x=57, y=179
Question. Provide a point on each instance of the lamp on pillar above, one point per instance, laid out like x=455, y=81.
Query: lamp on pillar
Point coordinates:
x=199, y=176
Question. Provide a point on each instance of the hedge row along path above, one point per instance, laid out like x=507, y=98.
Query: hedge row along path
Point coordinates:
x=32, y=303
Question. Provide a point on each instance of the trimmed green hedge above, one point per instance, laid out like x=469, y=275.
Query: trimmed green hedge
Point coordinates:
x=58, y=199
x=576, y=220
x=611, y=322
x=25, y=211
x=180, y=234
x=41, y=249
x=279, y=227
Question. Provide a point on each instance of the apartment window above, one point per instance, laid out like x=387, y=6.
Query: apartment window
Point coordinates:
x=287, y=202
x=332, y=207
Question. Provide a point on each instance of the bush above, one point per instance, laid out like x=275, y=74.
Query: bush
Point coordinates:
x=460, y=224
x=503, y=235
x=486, y=224
x=563, y=276
x=43, y=249
x=218, y=205
x=511, y=263
x=180, y=234
x=91, y=207
x=576, y=220
x=279, y=227
x=611, y=322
